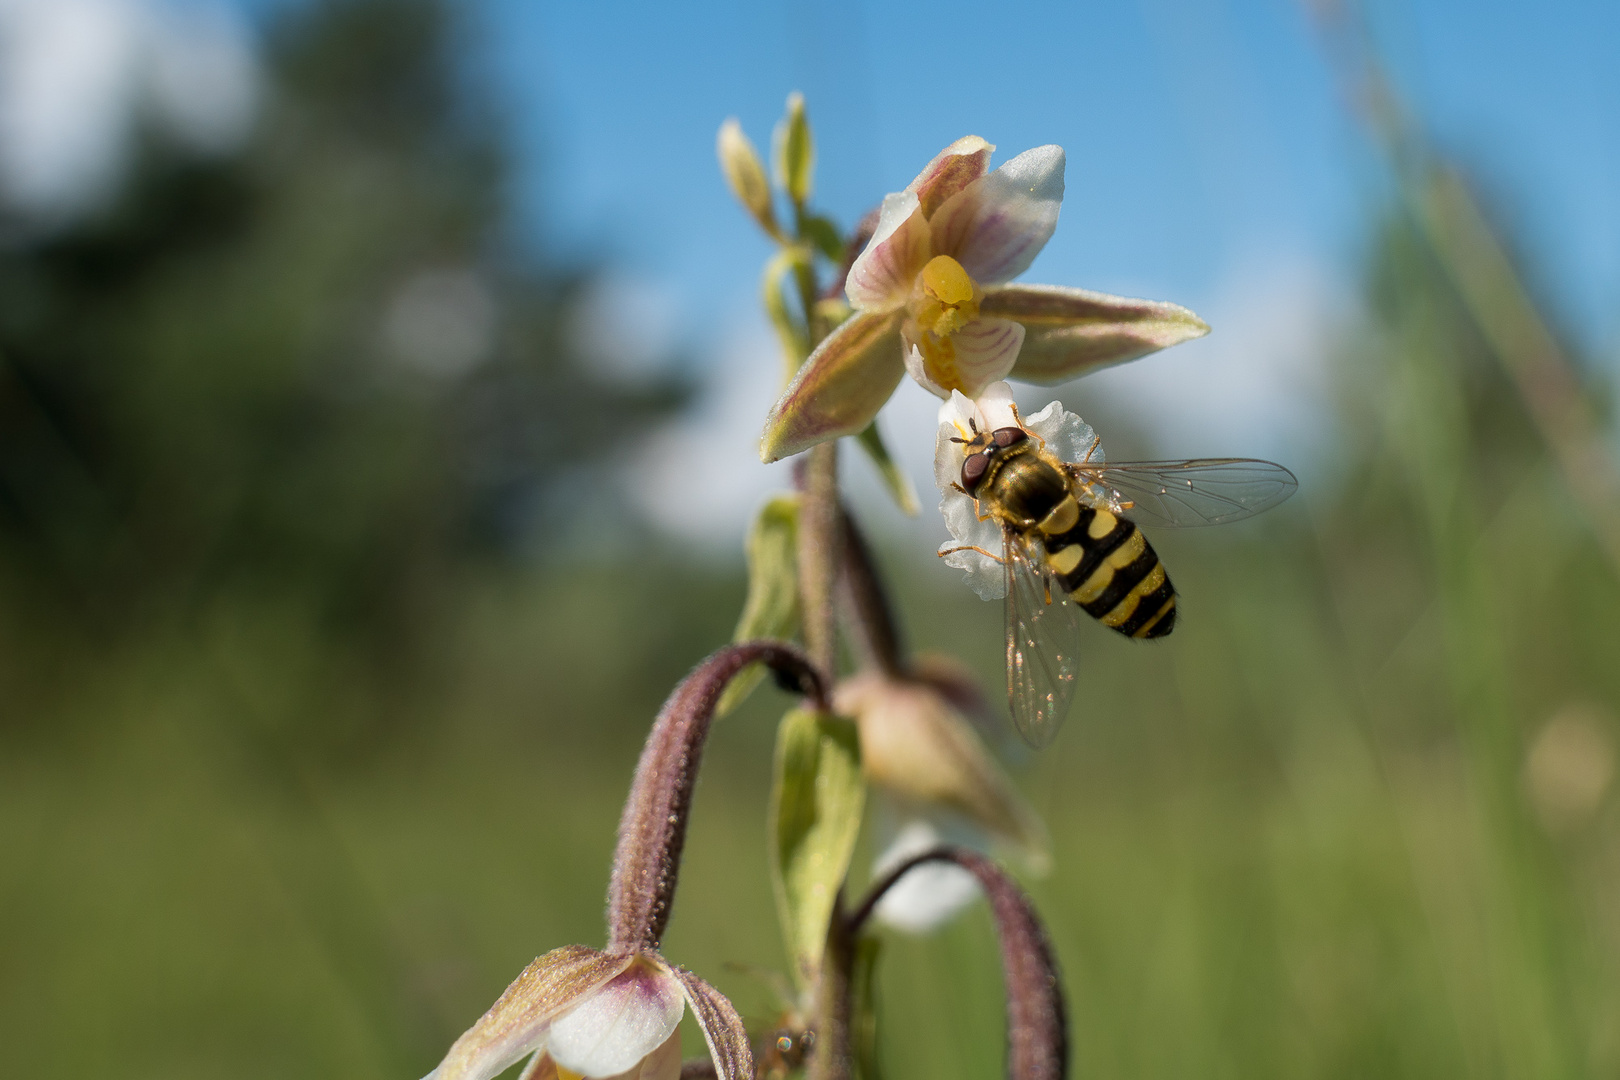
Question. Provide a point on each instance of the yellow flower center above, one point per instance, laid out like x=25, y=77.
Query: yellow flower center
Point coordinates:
x=944, y=299
x=949, y=297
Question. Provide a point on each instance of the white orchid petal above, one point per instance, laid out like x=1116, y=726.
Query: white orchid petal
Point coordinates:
x=997, y=225
x=881, y=277
x=917, y=368
x=517, y=1024
x=986, y=350
x=663, y=1063
x=996, y=407
x=929, y=895
x=952, y=169
x=612, y=1030
x=1066, y=435
x=961, y=511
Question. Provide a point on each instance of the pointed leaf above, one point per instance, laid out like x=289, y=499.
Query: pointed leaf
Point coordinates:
x=816, y=810
x=839, y=389
x=722, y=1028
x=1073, y=331
x=772, y=608
x=516, y=1024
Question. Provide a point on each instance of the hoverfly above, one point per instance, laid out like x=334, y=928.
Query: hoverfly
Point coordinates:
x=1068, y=543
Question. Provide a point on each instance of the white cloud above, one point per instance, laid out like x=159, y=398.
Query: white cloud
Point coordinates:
x=74, y=74
x=1257, y=385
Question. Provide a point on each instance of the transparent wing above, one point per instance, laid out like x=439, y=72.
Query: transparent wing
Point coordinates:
x=1043, y=644
x=1184, y=494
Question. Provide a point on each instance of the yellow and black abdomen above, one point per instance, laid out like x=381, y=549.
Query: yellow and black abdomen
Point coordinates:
x=1109, y=569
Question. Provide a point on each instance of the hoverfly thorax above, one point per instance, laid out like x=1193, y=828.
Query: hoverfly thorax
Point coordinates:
x=1007, y=473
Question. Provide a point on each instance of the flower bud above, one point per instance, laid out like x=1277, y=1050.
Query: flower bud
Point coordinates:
x=916, y=747
x=793, y=152
x=746, y=174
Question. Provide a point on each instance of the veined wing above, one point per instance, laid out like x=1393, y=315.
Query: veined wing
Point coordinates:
x=1185, y=494
x=1043, y=644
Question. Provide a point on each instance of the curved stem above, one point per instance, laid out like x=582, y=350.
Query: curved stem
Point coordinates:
x=652, y=831
x=867, y=603
x=1037, y=1028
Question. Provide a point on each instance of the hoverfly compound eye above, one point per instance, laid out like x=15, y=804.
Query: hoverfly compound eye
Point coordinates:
x=973, y=469
x=1007, y=436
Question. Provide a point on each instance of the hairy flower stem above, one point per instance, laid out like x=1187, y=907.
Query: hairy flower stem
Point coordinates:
x=652, y=831
x=868, y=615
x=1037, y=1028
x=833, y=1057
x=820, y=545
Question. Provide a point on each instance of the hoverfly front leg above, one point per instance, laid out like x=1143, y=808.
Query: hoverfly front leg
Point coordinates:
x=970, y=547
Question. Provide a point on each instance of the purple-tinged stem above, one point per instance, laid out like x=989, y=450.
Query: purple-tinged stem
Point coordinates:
x=1037, y=1028
x=652, y=831
x=870, y=617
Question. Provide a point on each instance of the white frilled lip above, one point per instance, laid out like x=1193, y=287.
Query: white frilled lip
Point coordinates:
x=994, y=224
x=1066, y=435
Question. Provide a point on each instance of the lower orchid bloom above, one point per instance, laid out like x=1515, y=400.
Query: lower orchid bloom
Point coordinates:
x=580, y=1012
x=613, y=1013
x=932, y=296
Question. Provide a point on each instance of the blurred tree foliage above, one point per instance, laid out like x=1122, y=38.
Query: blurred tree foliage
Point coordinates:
x=312, y=373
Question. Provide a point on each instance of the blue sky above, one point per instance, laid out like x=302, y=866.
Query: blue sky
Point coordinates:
x=1210, y=161
x=1201, y=133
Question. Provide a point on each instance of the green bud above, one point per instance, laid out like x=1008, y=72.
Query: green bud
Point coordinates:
x=794, y=153
x=746, y=175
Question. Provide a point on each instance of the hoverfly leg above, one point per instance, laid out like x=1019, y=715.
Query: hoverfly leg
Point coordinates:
x=1018, y=416
x=1092, y=449
x=970, y=547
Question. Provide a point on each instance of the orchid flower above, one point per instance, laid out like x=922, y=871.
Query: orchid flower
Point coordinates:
x=931, y=296
x=583, y=1012
x=614, y=1013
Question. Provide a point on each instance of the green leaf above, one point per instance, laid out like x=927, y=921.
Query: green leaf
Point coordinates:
x=772, y=608
x=894, y=478
x=816, y=807
x=795, y=152
x=823, y=235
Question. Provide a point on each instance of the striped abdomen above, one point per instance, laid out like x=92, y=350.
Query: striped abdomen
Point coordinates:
x=1109, y=569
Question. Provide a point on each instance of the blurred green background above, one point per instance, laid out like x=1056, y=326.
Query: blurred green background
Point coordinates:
x=328, y=637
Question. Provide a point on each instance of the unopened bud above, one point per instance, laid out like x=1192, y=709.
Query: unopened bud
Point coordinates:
x=917, y=747
x=794, y=153
x=746, y=174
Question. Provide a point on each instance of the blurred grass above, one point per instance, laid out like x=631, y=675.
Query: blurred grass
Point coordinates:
x=1278, y=851
x=299, y=773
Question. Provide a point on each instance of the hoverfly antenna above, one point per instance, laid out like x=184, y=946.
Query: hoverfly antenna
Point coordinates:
x=964, y=442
